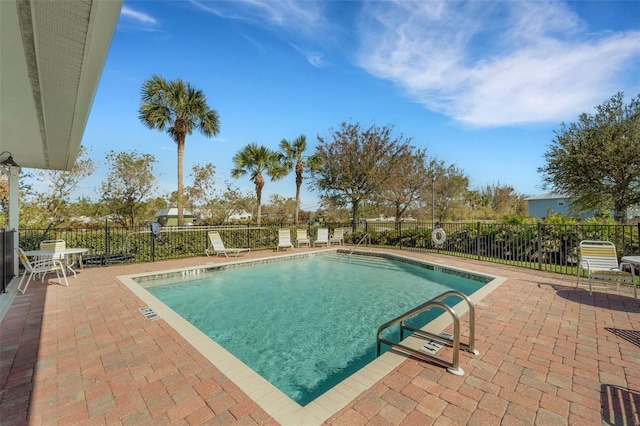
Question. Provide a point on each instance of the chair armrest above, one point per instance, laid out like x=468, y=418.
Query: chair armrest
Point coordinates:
x=41, y=262
x=631, y=267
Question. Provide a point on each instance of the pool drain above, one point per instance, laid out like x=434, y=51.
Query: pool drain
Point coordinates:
x=149, y=313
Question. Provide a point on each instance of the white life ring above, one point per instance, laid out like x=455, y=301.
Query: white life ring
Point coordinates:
x=438, y=236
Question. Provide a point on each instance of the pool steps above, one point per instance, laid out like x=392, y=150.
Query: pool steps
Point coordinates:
x=430, y=355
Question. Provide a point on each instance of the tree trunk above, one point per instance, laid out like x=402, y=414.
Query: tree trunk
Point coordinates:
x=355, y=204
x=299, y=170
x=259, y=182
x=180, y=183
x=297, y=203
x=180, y=130
x=620, y=215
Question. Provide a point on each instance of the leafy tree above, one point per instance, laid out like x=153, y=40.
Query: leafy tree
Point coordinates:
x=202, y=191
x=149, y=208
x=293, y=156
x=28, y=216
x=128, y=185
x=214, y=207
x=596, y=160
x=280, y=208
x=498, y=200
x=4, y=199
x=450, y=189
x=85, y=206
x=178, y=108
x=357, y=164
x=479, y=204
x=255, y=160
x=25, y=190
x=410, y=182
x=53, y=204
x=231, y=201
x=330, y=211
x=521, y=205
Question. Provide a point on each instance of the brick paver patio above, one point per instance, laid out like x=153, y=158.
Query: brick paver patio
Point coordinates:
x=550, y=354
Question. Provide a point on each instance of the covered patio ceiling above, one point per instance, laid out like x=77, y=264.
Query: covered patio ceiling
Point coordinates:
x=52, y=54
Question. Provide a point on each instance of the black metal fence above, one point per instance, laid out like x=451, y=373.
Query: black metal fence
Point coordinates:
x=540, y=246
x=6, y=248
x=551, y=247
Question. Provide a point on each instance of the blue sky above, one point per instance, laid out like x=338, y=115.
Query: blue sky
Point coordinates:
x=482, y=84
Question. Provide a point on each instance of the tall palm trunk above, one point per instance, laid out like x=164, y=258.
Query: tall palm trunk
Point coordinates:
x=180, y=132
x=299, y=169
x=259, y=182
x=180, y=183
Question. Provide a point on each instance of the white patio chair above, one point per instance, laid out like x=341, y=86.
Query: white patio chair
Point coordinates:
x=600, y=260
x=218, y=246
x=39, y=267
x=284, y=239
x=58, y=245
x=323, y=237
x=302, y=237
x=337, y=236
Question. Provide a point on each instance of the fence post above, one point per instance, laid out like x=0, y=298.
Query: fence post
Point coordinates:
x=105, y=259
x=400, y=235
x=153, y=248
x=539, y=246
x=4, y=261
x=478, y=239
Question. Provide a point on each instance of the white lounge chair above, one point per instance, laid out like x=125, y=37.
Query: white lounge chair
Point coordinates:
x=218, y=246
x=284, y=239
x=337, y=236
x=323, y=237
x=302, y=237
x=600, y=260
x=41, y=267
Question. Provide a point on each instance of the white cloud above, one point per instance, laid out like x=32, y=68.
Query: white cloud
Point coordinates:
x=140, y=17
x=495, y=63
x=303, y=17
x=313, y=57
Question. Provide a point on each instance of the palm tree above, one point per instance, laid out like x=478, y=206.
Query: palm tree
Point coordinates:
x=178, y=108
x=292, y=155
x=256, y=159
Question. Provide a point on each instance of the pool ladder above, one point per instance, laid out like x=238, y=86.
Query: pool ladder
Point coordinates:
x=364, y=237
x=453, y=341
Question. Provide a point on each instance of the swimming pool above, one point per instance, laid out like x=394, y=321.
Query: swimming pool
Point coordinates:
x=307, y=323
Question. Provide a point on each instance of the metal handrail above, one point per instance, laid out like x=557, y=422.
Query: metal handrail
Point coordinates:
x=359, y=242
x=454, y=366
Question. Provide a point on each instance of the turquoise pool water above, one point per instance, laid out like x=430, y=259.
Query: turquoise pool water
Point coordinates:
x=306, y=324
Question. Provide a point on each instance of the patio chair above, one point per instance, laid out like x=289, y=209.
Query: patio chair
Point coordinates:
x=600, y=260
x=218, y=246
x=58, y=245
x=302, y=237
x=284, y=239
x=337, y=236
x=41, y=267
x=323, y=237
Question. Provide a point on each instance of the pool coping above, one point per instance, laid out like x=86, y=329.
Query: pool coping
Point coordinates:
x=278, y=405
